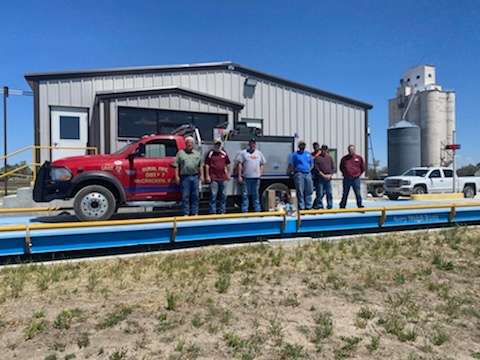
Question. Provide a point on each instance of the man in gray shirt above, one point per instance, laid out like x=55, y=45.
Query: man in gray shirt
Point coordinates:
x=250, y=169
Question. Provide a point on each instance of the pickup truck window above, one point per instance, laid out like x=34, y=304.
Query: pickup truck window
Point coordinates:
x=416, y=172
x=435, y=174
x=160, y=148
x=448, y=173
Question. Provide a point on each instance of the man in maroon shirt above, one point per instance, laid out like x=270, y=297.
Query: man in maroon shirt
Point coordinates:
x=352, y=167
x=217, y=173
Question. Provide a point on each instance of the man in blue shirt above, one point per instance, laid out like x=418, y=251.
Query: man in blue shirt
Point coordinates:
x=300, y=165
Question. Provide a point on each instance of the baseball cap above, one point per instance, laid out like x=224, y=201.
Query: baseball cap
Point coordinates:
x=301, y=142
x=217, y=141
x=324, y=147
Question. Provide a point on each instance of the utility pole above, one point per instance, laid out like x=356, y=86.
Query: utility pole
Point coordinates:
x=454, y=164
x=5, y=180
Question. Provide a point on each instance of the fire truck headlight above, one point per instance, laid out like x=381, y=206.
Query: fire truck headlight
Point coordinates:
x=60, y=174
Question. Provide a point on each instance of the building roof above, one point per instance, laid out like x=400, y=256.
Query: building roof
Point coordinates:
x=224, y=65
x=170, y=90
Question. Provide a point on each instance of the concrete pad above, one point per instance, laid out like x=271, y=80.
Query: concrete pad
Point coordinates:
x=442, y=196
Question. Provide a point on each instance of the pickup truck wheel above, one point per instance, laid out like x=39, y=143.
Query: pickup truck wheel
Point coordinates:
x=469, y=191
x=393, y=197
x=94, y=202
x=419, y=189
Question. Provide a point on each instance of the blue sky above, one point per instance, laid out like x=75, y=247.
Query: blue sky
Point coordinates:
x=357, y=48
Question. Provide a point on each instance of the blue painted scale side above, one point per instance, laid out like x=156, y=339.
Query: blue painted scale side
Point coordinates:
x=44, y=241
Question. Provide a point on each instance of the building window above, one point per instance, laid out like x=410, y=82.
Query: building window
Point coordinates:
x=418, y=76
x=429, y=75
x=69, y=127
x=136, y=122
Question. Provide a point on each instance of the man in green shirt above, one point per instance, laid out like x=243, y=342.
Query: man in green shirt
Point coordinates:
x=188, y=172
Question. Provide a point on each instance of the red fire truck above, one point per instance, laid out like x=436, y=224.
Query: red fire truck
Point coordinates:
x=142, y=172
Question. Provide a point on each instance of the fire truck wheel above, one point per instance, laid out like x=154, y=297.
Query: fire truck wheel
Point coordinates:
x=94, y=202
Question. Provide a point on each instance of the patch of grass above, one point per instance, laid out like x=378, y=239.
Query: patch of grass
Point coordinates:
x=93, y=281
x=197, y=320
x=118, y=355
x=70, y=357
x=164, y=324
x=290, y=300
x=63, y=321
x=374, y=344
x=275, y=330
x=171, y=301
x=366, y=313
x=187, y=351
x=349, y=346
x=118, y=315
x=439, y=336
x=50, y=357
x=83, y=340
x=223, y=283
x=323, y=328
x=243, y=348
x=37, y=325
x=407, y=335
x=441, y=264
x=399, y=278
x=292, y=352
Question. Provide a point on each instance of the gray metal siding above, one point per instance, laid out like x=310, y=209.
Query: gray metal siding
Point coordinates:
x=285, y=111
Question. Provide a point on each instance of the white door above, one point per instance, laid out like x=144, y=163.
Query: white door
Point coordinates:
x=69, y=132
x=436, y=181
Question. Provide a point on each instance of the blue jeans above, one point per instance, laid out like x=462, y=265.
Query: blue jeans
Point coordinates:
x=348, y=183
x=250, y=188
x=189, y=185
x=323, y=188
x=217, y=194
x=304, y=186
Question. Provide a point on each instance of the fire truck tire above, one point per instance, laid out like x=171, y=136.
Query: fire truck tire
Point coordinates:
x=94, y=202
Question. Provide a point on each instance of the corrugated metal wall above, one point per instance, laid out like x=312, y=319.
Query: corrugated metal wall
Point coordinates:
x=285, y=111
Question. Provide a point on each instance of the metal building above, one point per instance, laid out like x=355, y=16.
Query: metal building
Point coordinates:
x=404, y=150
x=108, y=107
x=421, y=101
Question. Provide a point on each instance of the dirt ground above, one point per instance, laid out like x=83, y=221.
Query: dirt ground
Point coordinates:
x=398, y=296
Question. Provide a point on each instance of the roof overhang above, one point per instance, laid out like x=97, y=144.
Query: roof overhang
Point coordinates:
x=108, y=95
x=225, y=65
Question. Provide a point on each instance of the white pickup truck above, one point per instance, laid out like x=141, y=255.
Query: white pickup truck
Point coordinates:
x=429, y=180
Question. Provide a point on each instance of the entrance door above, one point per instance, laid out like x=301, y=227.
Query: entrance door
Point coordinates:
x=69, y=132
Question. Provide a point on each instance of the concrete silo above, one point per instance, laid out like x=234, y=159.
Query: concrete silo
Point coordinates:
x=422, y=102
x=404, y=150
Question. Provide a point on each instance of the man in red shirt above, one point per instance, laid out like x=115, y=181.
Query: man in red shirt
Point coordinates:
x=217, y=173
x=352, y=167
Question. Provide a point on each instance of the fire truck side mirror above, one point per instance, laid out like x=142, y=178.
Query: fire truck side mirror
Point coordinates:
x=139, y=152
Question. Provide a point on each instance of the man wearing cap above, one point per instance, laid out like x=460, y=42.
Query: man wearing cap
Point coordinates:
x=324, y=168
x=300, y=163
x=188, y=166
x=217, y=173
x=352, y=167
x=250, y=169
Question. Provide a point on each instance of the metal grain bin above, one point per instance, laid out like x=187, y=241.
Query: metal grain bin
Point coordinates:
x=404, y=150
